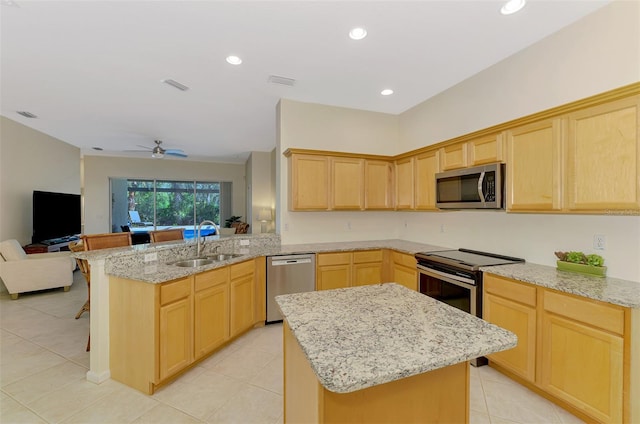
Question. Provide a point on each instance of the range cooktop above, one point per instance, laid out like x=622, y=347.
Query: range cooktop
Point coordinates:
x=467, y=259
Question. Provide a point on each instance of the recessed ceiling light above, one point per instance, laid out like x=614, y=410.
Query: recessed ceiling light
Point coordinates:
x=10, y=3
x=98, y=148
x=234, y=60
x=386, y=92
x=357, y=33
x=512, y=6
x=26, y=114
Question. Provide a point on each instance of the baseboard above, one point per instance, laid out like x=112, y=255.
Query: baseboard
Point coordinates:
x=98, y=378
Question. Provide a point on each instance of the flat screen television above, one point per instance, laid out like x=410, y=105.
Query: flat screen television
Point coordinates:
x=55, y=216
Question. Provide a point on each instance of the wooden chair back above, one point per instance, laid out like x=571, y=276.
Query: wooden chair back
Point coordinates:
x=106, y=241
x=83, y=264
x=167, y=235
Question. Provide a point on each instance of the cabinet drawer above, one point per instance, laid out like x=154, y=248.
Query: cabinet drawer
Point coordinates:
x=403, y=259
x=171, y=292
x=211, y=278
x=367, y=256
x=509, y=289
x=243, y=268
x=341, y=258
x=592, y=312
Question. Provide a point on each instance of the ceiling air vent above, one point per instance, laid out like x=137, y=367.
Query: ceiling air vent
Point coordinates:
x=274, y=79
x=27, y=114
x=176, y=84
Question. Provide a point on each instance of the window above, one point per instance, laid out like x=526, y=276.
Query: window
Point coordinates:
x=144, y=205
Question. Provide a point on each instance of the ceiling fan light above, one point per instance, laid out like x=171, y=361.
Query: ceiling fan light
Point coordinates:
x=157, y=155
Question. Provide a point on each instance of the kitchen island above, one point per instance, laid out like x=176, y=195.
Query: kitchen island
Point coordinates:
x=380, y=353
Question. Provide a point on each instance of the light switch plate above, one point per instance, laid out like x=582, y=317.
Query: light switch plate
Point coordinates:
x=150, y=257
x=244, y=242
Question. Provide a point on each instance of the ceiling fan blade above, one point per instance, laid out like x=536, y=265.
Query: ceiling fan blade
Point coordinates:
x=147, y=149
x=174, y=152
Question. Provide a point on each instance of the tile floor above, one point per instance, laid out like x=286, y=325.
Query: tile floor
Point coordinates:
x=43, y=366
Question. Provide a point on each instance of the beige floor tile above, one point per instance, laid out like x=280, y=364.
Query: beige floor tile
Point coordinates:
x=486, y=373
x=164, y=414
x=517, y=403
x=476, y=396
x=201, y=397
x=218, y=356
x=123, y=405
x=271, y=377
x=566, y=417
x=36, y=385
x=25, y=359
x=13, y=412
x=251, y=405
x=476, y=417
x=245, y=363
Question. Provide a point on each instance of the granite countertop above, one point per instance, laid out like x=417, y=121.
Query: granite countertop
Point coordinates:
x=125, y=262
x=364, y=336
x=607, y=289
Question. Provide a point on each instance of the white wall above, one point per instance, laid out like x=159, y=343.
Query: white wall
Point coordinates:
x=260, y=189
x=31, y=160
x=596, y=54
x=98, y=169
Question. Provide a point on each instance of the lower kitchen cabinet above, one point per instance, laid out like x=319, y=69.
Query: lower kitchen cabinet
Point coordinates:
x=242, y=296
x=346, y=269
x=512, y=305
x=583, y=354
x=159, y=330
x=211, y=310
x=367, y=267
x=404, y=270
x=576, y=350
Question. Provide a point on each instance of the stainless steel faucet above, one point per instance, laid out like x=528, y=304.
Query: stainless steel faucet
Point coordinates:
x=199, y=245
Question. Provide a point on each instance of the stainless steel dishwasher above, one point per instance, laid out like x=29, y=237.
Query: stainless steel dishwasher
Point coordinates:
x=288, y=274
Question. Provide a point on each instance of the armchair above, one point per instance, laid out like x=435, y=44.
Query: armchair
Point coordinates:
x=24, y=273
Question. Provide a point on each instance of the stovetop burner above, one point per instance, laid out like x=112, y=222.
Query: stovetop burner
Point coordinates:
x=467, y=259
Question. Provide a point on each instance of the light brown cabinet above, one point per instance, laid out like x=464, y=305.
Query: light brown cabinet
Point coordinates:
x=211, y=310
x=241, y=291
x=308, y=182
x=378, y=183
x=534, y=166
x=346, y=269
x=175, y=327
x=603, y=157
x=347, y=183
x=512, y=305
x=403, y=270
x=427, y=165
x=454, y=156
x=582, y=359
x=404, y=183
x=486, y=149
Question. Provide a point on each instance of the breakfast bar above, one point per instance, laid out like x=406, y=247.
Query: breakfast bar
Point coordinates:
x=380, y=353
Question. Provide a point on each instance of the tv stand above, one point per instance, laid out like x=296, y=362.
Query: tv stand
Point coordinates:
x=51, y=245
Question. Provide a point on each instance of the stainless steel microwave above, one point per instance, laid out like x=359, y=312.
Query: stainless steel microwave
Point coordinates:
x=480, y=187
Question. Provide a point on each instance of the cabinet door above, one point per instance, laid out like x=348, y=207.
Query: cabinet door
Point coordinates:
x=406, y=276
x=534, y=167
x=333, y=277
x=175, y=340
x=211, y=318
x=426, y=166
x=603, y=158
x=487, y=149
x=453, y=156
x=241, y=304
x=583, y=366
x=404, y=184
x=309, y=182
x=367, y=273
x=378, y=185
x=520, y=320
x=347, y=188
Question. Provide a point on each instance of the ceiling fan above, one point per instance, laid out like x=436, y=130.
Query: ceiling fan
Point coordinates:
x=159, y=152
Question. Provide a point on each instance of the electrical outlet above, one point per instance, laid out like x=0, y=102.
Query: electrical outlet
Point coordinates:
x=348, y=225
x=244, y=242
x=405, y=224
x=286, y=226
x=150, y=257
x=442, y=228
x=599, y=242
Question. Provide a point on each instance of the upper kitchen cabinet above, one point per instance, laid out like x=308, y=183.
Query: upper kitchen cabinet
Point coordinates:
x=347, y=186
x=378, y=182
x=534, y=166
x=603, y=158
x=404, y=183
x=426, y=166
x=486, y=149
x=454, y=156
x=308, y=182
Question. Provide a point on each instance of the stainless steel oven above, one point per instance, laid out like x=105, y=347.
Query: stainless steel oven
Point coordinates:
x=454, y=277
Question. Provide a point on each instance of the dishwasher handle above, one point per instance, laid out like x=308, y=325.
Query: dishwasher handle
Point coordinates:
x=284, y=262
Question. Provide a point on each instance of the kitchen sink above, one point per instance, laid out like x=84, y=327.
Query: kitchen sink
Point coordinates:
x=222, y=256
x=193, y=263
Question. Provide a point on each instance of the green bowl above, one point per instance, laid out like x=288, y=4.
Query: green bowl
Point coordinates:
x=596, y=271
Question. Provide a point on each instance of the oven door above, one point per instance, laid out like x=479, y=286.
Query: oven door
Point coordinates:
x=455, y=290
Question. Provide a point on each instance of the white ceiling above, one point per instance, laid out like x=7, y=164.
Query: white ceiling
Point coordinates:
x=92, y=70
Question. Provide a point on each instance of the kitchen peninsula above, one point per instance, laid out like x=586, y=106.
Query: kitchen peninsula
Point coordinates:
x=380, y=353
